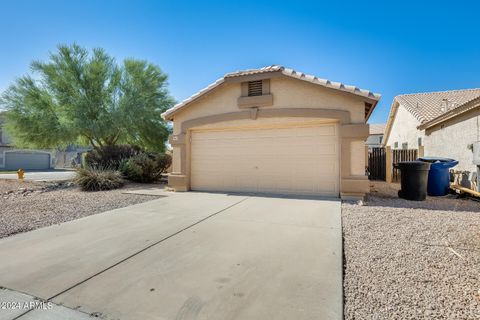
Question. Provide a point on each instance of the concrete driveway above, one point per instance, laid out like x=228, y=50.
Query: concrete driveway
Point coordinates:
x=53, y=175
x=184, y=256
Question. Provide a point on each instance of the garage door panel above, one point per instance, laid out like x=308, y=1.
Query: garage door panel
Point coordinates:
x=15, y=160
x=328, y=130
x=294, y=160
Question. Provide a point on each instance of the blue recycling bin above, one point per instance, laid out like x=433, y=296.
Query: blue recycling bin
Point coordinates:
x=439, y=176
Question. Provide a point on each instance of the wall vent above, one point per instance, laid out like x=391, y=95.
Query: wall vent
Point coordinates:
x=255, y=88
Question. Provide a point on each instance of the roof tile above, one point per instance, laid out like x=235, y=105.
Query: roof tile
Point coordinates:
x=429, y=105
x=377, y=128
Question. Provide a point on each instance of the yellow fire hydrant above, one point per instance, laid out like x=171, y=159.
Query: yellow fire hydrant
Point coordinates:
x=20, y=173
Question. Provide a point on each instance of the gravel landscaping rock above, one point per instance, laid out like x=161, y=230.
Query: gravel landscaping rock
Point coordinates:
x=30, y=205
x=411, y=260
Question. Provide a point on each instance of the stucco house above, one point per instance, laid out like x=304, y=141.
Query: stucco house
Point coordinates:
x=445, y=123
x=375, y=139
x=12, y=158
x=272, y=130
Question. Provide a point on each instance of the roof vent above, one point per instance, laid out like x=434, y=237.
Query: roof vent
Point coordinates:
x=444, y=105
x=255, y=88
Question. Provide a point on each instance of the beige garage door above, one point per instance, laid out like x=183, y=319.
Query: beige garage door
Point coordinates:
x=289, y=160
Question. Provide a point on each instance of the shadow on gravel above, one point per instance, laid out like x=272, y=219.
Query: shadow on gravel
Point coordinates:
x=385, y=195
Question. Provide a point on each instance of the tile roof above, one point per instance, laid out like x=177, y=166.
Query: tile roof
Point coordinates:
x=272, y=68
x=430, y=105
x=307, y=77
x=286, y=72
x=377, y=128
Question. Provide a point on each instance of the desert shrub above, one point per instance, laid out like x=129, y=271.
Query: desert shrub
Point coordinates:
x=145, y=168
x=96, y=179
x=164, y=161
x=110, y=156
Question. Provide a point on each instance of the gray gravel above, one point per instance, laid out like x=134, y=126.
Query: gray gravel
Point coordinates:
x=26, y=206
x=411, y=260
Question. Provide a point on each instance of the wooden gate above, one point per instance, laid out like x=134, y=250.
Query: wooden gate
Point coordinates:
x=376, y=164
x=399, y=156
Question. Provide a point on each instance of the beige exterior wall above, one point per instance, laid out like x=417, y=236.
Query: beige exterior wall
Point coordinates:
x=451, y=138
x=288, y=95
x=404, y=129
x=357, y=165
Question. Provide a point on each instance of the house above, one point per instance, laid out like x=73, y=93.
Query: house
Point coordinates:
x=12, y=158
x=272, y=130
x=375, y=138
x=445, y=123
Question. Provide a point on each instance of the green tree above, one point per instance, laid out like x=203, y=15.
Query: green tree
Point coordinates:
x=87, y=98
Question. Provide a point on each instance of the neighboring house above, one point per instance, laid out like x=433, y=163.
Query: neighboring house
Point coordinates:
x=272, y=130
x=14, y=159
x=375, y=139
x=445, y=123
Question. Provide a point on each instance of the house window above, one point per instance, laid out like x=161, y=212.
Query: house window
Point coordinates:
x=380, y=139
x=395, y=145
x=419, y=141
x=255, y=88
x=405, y=145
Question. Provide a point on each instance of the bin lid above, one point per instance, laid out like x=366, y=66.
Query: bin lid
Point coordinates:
x=435, y=159
x=414, y=165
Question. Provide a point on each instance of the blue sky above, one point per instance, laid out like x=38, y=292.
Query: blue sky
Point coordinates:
x=390, y=47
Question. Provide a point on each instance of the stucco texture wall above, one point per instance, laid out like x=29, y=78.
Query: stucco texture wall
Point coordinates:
x=451, y=139
x=404, y=130
x=287, y=93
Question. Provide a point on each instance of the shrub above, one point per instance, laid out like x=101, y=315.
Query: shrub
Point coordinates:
x=110, y=156
x=146, y=167
x=164, y=161
x=96, y=179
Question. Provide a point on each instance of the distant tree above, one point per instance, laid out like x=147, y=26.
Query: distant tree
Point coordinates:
x=87, y=98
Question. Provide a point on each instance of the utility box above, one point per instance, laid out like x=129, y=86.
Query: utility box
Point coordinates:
x=476, y=153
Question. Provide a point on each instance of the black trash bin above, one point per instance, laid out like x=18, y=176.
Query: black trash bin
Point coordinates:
x=414, y=175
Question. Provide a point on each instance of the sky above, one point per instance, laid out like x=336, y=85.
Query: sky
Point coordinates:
x=389, y=47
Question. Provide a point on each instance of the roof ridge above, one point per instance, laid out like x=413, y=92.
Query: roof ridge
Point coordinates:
x=433, y=92
x=306, y=76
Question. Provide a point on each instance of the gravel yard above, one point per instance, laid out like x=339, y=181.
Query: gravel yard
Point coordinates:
x=26, y=205
x=411, y=260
